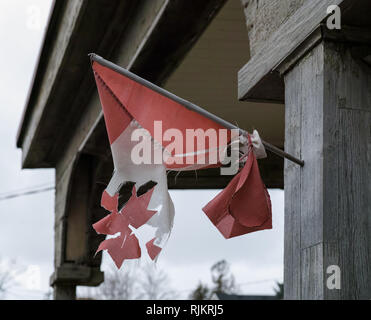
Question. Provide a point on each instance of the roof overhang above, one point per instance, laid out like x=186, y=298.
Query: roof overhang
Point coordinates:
x=261, y=78
x=63, y=83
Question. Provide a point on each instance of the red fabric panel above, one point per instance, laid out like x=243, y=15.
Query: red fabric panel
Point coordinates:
x=147, y=106
x=115, y=117
x=244, y=206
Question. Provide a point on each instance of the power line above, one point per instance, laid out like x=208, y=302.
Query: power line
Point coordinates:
x=19, y=194
x=39, y=186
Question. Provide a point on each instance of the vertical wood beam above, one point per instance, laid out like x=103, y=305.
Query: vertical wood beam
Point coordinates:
x=75, y=240
x=64, y=292
x=327, y=202
x=77, y=215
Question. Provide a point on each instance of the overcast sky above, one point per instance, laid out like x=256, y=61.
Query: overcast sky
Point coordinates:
x=26, y=228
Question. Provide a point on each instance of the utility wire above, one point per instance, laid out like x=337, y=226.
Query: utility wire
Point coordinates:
x=19, y=194
x=39, y=186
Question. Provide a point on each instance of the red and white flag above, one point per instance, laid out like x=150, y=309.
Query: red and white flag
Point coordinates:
x=151, y=133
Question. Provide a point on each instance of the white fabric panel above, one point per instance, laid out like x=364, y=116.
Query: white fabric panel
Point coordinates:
x=126, y=170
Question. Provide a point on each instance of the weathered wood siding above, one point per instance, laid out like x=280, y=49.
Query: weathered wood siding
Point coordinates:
x=278, y=28
x=327, y=202
x=264, y=17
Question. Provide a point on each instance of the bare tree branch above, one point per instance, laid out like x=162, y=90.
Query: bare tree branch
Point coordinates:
x=117, y=285
x=155, y=284
x=146, y=282
x=6, y=278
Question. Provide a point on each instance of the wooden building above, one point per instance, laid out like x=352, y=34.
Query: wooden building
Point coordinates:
x=305, y=88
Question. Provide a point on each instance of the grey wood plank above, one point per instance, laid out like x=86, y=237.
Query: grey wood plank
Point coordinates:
x=312, y=275
x=286, y=38
x=311, y=143
x=292, y=182
x=354, y=204
x=334, y=209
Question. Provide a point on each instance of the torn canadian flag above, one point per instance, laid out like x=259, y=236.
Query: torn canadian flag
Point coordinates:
x=151, y=133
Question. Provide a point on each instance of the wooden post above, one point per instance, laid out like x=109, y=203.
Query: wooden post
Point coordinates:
x=328, y=201
x=76, y=209
x=64, y=292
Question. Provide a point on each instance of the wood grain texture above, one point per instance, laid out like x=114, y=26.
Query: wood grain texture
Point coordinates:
x=328, y=123
x=77, y=211
x=60, y=206
x=312, y=275
x=292, y=183
x=354, y=204
x=52, y=102
x=311, y=142
x=264, y=17
x=286, y=38
x=64, y=292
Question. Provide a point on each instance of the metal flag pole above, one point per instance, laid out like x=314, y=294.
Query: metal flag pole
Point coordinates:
x=189, y=105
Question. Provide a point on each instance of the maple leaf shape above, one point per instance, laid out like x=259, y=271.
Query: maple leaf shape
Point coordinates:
x=122, y=247
x=135, y=213
x=136, y=208
x=111, y=224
